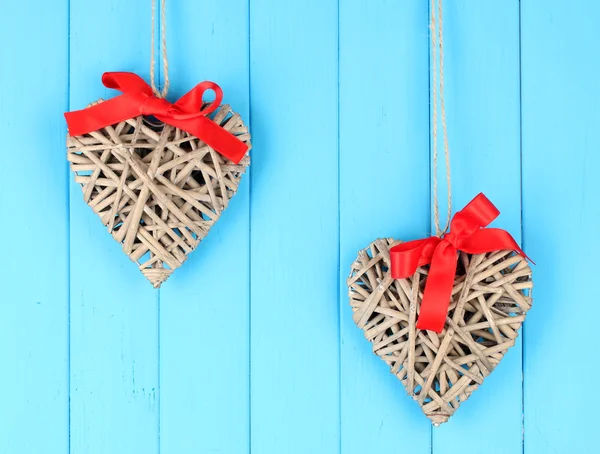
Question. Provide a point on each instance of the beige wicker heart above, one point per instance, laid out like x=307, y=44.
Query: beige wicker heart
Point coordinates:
x=156, y=188
x=490, y=298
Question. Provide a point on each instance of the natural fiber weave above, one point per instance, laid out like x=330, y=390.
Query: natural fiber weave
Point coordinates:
x=156, y=188
x=491, y=295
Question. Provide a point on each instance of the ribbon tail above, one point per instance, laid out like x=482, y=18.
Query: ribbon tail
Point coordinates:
x=98, y=116
x=438, y=289
x=212, y=134
x=488, y=240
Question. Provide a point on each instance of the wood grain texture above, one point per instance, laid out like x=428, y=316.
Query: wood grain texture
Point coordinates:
x=384, y=191
x=294, y=227
x=561, y=214
x=250, y=346
x=481, y=49
x=114, y=335
x=204, y=311
x=34, y=413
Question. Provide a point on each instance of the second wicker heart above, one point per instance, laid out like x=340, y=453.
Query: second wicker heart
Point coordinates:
x=490, y=299
x=156, y=188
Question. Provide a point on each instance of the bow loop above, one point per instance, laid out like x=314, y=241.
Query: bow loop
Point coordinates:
x=478, y=213
x=193, y=101
x=406, y=257
x=189, y=113
x=467, y=234
x=126, y=82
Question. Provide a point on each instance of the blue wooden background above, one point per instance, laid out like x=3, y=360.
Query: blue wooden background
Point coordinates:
x=250, y=347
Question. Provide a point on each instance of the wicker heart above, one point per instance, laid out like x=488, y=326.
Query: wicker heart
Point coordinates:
x=490, y=298
x=156, y=188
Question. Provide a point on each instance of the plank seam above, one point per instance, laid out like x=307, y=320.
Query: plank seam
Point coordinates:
x=250, y=185
x=430, y=163
x=339, y=245
x=522, y=229
x=68, y=233
x=161, y=84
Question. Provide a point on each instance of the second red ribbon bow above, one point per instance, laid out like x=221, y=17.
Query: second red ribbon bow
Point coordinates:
x=467, y=234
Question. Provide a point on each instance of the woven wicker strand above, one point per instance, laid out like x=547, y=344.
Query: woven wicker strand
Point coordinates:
x=156, y=188
x=490, y=298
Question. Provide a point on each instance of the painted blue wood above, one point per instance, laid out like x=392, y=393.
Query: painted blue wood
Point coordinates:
x=560, y=205
x=481, y=66
x=384, y=192
x=34, y=408
x=294, y=227
x=204, y=307
x=114, y=314
x=250, y=345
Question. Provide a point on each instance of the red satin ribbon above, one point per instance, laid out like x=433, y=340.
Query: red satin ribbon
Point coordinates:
x=467, y=234
x=137, y=99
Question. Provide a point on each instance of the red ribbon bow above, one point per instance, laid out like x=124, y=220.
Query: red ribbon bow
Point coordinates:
x=467, y=234
x=138, y=99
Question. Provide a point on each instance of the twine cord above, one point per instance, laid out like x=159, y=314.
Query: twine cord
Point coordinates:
x=438, y=32
x=163, y=50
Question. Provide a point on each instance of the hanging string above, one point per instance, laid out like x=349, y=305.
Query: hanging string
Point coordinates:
x=435, y=33
x=163, y=50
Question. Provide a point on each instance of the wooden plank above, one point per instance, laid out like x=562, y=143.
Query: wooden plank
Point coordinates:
x=560, y=205
x=204, y=307
x=384, y=192
x=114, y=336
x=481, y=48
x=34, y=415
x=294, y=227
